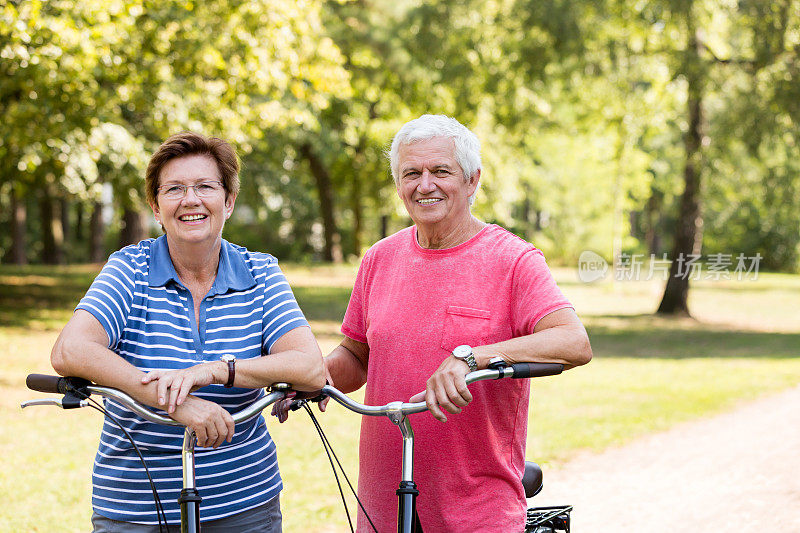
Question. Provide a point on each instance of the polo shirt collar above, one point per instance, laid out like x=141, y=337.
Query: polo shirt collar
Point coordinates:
x=232, y=272
x=161, y=269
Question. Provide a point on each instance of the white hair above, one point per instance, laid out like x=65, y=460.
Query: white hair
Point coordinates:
x=467, y=146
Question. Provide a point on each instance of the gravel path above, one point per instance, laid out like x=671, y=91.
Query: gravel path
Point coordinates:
x=738, y=471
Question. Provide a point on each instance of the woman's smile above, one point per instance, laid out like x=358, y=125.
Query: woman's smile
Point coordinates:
x=193, y=217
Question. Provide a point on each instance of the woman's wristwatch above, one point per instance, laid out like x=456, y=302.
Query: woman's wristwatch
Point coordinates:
x=231, y=360
x=464, y=352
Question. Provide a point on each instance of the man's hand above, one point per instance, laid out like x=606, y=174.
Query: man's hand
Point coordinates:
x=280, y=410
x=210, y=422
x=446, y=388
x=175, y=385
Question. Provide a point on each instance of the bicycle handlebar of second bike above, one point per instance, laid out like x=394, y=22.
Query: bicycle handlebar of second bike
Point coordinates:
x=517, y=370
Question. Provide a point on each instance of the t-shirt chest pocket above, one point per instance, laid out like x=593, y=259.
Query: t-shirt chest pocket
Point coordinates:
x=465, y=325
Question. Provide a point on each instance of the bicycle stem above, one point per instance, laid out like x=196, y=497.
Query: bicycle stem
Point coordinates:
x=189, y=441
x=408, y=449
x=397, y=414
x=407, y=491
x=189, y=499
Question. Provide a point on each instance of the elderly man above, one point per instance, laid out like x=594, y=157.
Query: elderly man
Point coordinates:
x=430, y=304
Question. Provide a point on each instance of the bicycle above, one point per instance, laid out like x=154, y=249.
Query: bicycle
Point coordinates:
x=550, y=519
x=77, y=393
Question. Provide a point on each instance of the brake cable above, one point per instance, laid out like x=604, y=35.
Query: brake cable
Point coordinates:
x=94, y=404
x=331, y=456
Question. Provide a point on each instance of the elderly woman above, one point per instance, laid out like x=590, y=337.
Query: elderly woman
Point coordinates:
x=196, y=326
x=430, y=304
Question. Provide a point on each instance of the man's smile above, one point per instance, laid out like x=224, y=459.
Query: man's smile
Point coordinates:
x=428, y=201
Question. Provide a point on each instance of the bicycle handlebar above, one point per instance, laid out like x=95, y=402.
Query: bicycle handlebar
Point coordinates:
x=517, y=370
x=535, y=370
x=57, y=384
x=82, y=388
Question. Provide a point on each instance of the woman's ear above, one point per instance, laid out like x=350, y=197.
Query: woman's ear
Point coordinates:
x=230, y=201
x=156, y=211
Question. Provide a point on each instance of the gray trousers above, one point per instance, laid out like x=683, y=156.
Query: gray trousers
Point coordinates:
x=263, y=519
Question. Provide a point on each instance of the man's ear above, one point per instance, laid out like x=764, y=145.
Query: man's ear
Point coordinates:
x=473, y=181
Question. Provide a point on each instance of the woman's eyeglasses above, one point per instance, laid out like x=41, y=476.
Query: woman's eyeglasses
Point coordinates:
x=205, y=189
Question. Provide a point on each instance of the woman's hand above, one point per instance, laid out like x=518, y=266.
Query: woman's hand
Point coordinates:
x=175, y=385
x=212, y=425
x=446, y=388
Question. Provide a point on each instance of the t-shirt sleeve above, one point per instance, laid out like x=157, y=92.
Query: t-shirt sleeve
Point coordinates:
x=110, y=296
x=535, y=293
x=281, y=311
x=354, y=324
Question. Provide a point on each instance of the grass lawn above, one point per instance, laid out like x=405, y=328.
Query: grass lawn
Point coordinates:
x=648, y=374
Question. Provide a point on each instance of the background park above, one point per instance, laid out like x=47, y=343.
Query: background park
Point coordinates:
x=660, y=135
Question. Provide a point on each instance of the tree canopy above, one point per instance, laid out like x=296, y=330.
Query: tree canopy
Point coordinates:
x=659, y=127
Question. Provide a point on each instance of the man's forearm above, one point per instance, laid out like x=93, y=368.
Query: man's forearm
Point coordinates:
x=568, y=345
x=346, y=369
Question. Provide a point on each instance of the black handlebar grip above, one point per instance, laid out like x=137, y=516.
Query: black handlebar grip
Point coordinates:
x=536, y=370
x=45, y=383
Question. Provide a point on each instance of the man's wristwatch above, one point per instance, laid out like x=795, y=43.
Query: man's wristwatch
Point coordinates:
x=464, y=352
x=231, y=360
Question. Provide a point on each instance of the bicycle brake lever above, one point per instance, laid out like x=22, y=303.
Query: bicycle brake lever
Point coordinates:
x=300, y=402
x=318, y=398
x=67, y=402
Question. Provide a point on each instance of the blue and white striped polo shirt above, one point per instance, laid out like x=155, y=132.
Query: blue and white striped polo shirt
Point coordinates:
x=149, y=317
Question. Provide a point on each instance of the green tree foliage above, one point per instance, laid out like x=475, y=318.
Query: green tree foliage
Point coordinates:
x=75, y=73
x=51, y=54
x=594, y=117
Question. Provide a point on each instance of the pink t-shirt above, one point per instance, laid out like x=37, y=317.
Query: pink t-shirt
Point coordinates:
x=412, y=306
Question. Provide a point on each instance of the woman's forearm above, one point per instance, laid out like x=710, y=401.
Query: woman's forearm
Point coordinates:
x=80, y=351
x=301, y=369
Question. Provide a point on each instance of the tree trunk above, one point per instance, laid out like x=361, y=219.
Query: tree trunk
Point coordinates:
x=690, y=221
x=332, y=250
x=133, y=227
x=357, y=206
x=356, y=201
x=63, y=210
x=617, y=214
x=384, y=226
x=97, y=235
x=77, y=228
x=651, y=221
x=52, y=234
x=19, y=235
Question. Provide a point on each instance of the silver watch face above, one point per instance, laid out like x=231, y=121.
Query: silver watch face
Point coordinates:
x=462, y=352
x=228, y=358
